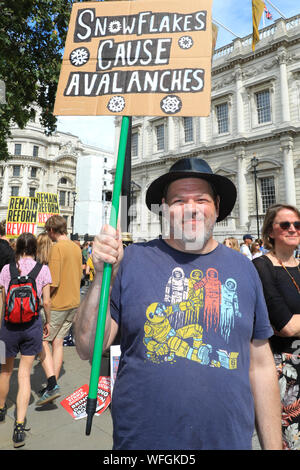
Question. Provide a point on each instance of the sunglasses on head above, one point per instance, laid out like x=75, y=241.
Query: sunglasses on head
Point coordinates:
x=286, y=225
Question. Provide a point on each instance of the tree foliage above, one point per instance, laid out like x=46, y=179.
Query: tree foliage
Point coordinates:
x=32, y=38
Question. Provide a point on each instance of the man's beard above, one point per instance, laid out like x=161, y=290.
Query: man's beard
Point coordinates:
x=196, y=239
x=193, y=237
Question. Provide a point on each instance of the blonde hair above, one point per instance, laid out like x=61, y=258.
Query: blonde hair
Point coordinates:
x=44, y=245
x=233, y=243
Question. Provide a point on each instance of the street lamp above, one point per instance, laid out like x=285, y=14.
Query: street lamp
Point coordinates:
x=74, y=199
x=254, y=163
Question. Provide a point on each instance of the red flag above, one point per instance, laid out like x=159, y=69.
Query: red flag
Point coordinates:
x=268, y=14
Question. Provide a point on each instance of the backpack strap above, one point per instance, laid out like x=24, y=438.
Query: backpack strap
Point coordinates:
x=35, y=271
x=14, y=273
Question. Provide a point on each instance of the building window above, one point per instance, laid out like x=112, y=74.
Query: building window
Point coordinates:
x=188, y=129
x=263, y=106
x=62, y=198
x=15, y=190
x=267, y=189
x=18, y=149
x=1, y=190
x=63, y=181
x=33, y=172
x=160, y=137
x=35, y=151
x=16, y=170
x=31, y=192
x=222, y=117
x=134, y=144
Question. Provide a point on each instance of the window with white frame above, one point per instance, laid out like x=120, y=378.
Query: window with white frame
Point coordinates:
x=267, y=190
x=263, y=106
x=222, y=117
x=18, y=149
x=33, y=172
x=188, y=124
x=134, y=144
x=15, y=190
x=31, y=192
x=16, y=170
x=35, y=152
x=160, y=137
x=62, y=198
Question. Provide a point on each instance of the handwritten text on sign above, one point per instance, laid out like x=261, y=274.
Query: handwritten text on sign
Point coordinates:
x=21, y=216
x=137, y=58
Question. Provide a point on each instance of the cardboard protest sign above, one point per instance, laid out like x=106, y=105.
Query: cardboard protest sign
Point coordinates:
x=22, y=213
x=75, y=404
x=137, y=58
x=48, y=206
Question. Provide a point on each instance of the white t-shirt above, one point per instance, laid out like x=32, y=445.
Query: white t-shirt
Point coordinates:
x=245, y=250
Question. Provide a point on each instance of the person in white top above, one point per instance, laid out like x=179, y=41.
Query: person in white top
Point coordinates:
x=255, y=250
x=245, y=248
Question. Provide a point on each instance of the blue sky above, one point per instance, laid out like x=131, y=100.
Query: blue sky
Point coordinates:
x=235, y=15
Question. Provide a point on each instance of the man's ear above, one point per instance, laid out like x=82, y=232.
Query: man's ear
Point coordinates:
x=217, y=204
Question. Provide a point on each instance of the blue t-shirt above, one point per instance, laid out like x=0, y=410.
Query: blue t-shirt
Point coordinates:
x=186, y=324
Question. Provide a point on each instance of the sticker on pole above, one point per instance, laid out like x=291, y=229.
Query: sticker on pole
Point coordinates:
x=137, y=58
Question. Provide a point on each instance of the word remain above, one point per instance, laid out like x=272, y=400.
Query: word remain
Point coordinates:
x=89, y=26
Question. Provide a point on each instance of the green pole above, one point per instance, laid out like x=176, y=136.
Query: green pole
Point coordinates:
x=104, y=295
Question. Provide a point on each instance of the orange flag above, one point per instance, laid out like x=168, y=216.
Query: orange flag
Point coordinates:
x=215, y=31
x=257, y=10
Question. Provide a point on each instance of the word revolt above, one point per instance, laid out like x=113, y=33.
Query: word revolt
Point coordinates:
x=89, y=26
x=150, y=459
x=15, y=229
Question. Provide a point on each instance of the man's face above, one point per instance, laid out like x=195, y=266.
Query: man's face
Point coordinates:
x=248, y=241
x=51, y=235
x=192, y=211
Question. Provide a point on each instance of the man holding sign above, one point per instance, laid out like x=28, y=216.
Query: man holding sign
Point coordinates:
x=195, y=363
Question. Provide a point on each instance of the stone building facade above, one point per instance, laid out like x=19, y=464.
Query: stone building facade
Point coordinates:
x=42, y=163
x=255, y=111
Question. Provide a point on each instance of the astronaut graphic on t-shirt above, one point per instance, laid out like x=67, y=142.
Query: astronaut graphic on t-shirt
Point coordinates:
x=192, y=305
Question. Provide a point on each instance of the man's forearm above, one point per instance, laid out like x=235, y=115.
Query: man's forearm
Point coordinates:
x=85, y=321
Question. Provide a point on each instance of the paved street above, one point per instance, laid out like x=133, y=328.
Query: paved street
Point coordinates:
x=51, y=425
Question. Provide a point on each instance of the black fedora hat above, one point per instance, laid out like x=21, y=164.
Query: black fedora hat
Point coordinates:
x=193, y=168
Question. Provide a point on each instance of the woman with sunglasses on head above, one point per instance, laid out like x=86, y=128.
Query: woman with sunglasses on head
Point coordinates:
x=279, y=271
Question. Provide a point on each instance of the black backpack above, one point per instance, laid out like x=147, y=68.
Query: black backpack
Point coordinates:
x=22, y=302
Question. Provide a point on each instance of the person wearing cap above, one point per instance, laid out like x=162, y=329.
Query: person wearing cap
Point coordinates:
x=245, y=247
x=196, y=368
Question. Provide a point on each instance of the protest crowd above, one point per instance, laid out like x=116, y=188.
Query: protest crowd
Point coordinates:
x=208, y=330
x=55, y=269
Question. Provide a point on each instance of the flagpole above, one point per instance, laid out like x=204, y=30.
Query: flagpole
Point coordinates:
x=104, y=295
x=275, y=8
x=227, y=29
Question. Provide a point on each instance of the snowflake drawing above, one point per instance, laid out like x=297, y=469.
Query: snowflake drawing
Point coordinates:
x=185, y=42
x=79, y=56
x=116, y=104
x=171, y=104
x=114, y=26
